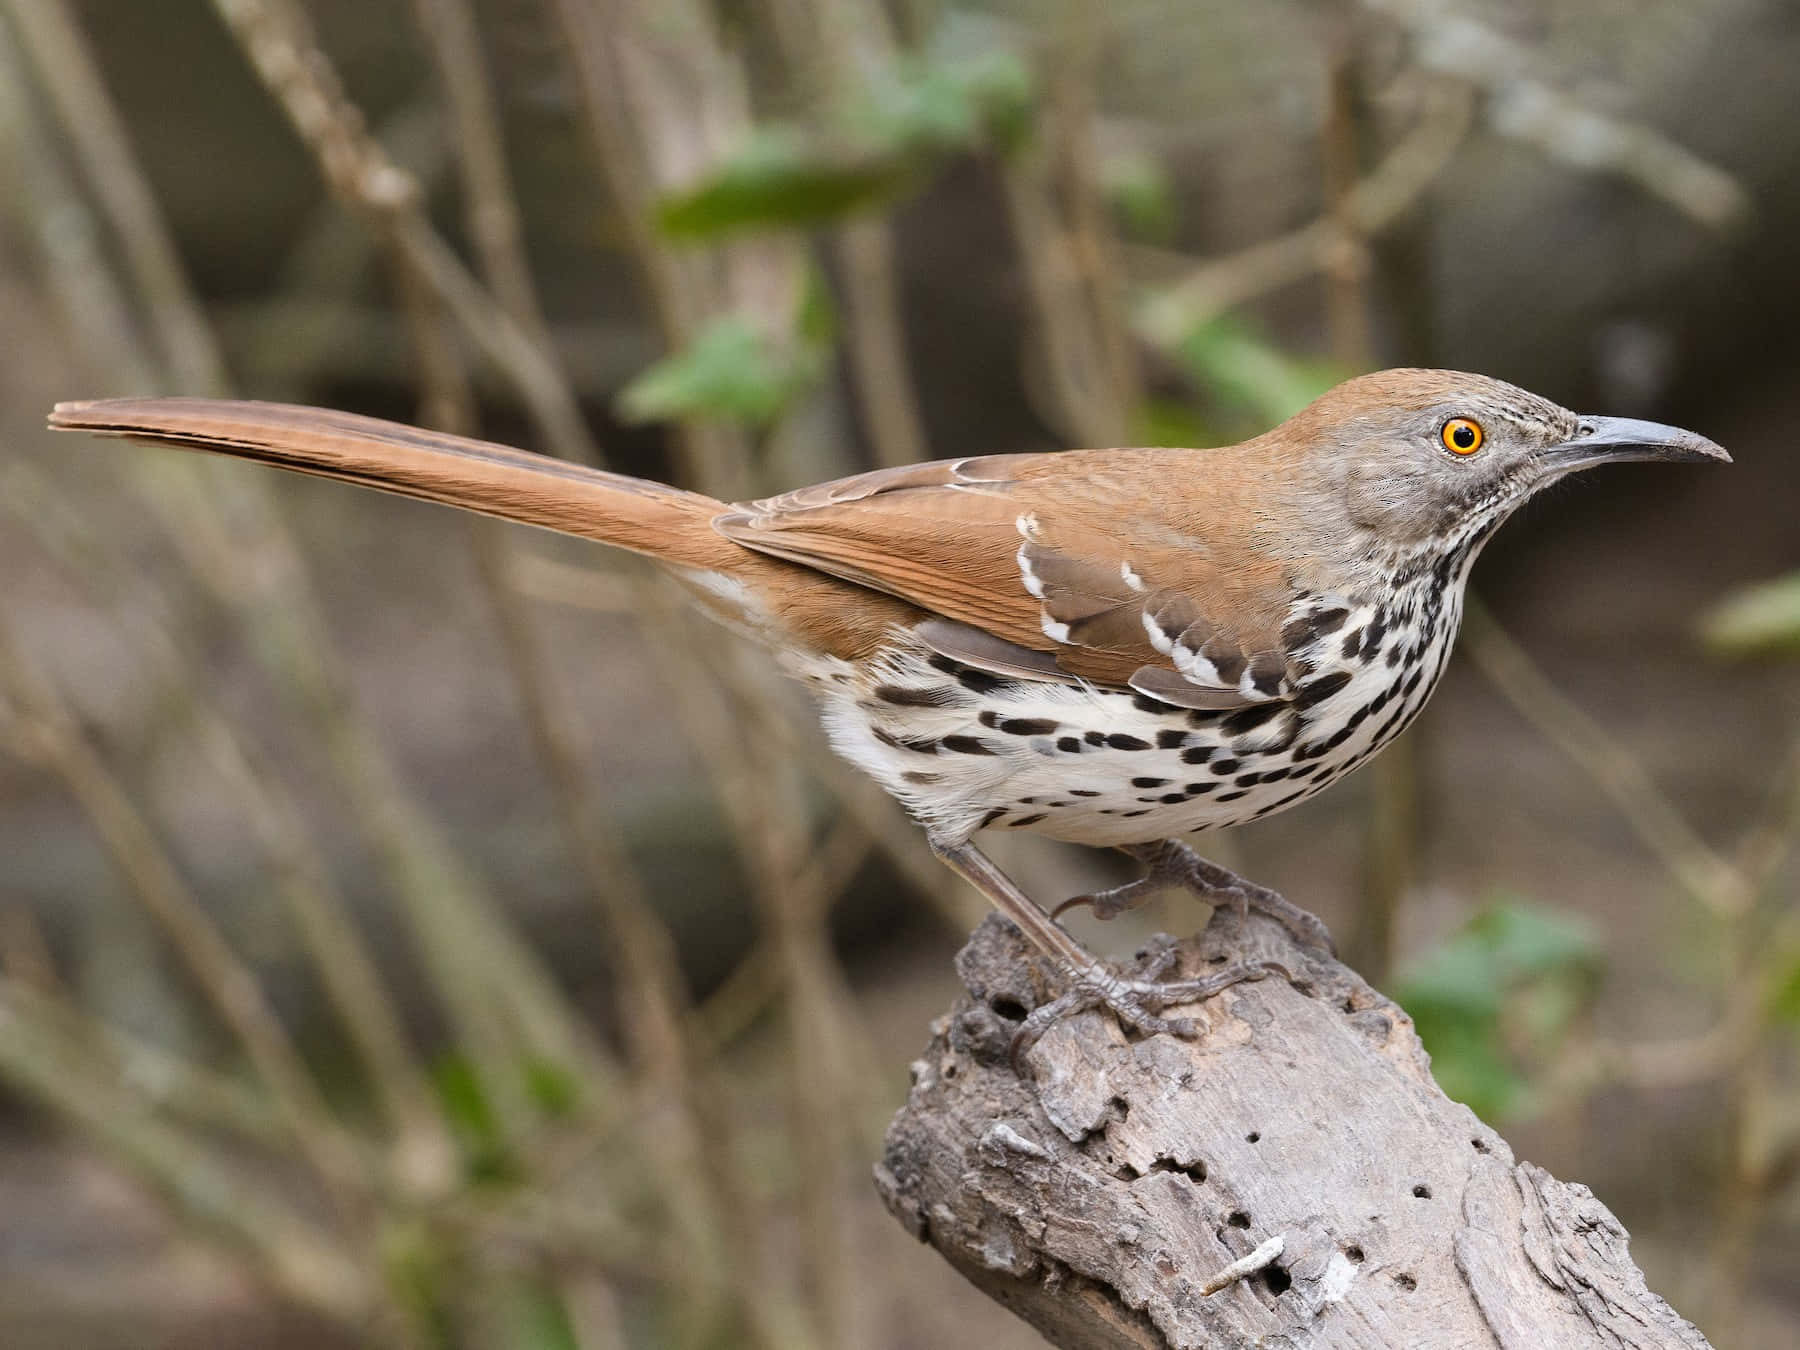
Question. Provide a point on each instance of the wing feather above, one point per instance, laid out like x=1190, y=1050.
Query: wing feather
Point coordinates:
x=1047, y=564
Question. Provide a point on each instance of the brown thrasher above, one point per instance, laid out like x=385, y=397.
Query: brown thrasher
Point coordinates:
x=1112, y=647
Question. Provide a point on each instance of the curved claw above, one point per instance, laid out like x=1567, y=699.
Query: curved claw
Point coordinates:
x=1137, y=1003
x=1111, y=903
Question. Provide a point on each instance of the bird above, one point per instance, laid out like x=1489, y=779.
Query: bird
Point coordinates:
x=1113, y=647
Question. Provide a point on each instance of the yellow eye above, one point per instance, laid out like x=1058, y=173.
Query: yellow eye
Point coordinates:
x=1462, y=436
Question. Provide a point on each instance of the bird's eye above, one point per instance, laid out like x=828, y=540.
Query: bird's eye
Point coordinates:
x=1461, y=436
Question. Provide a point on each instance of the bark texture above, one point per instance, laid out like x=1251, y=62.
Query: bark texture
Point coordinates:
x=1292, y=1177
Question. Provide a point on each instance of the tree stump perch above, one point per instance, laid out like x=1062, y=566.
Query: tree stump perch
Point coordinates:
x=1291, y=1177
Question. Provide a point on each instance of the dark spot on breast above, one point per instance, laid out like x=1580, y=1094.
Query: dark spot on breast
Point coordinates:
x=1170, y=798
x=1353, y=643
x=1317, y=691
x=1023, y=821
x=1029, y=726
x=1311, y=627
x=1069, y=745
x=902, y=696
x=966, y=745
x=1225, y=767
x=1336, y=739
x=1372, y=636
x=1412, y=681
x=1304, y=771
x=922, y=745
x=1248, y=779
x=1144, y=703
x=1129, y=814
x=1230, y=796
x=1170, y=740
x=1202, y=718
x=1250, y=719
x=1148, y=782
x=1083, y=792
x=989, y=717
x=1094, y=737
x=1120, y=741
x=1275, y=775
x=1196, y=754
x=1393, y=656
x=975, y=681
x=1195, y=789
x=1291, y=797
x=991, y=817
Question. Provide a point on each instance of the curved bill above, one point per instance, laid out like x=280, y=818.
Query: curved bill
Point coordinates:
x=1613, y=440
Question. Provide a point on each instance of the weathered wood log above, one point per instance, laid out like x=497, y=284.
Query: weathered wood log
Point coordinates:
x=1293, y=1176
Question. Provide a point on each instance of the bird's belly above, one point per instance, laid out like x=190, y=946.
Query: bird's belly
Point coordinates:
x=965, y=750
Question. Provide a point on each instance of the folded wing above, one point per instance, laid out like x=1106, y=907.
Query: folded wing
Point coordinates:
x=1083, y=565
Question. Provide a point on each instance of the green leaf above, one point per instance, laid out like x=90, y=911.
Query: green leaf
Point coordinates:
x=536, y=1318
x=1514, y=967
x=951, y=103
x=783, y=178
x=730, y=372
x=551, y=1087
x=1784, y=995
x=883, y=146
x=1227, y=358
x=1758, y=620
x=1167, y=421
x=472, y=1118
x=1138, y=187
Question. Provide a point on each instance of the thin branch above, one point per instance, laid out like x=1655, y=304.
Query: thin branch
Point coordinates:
x=1375, y=203
x=44, y=732
x=1702, y=872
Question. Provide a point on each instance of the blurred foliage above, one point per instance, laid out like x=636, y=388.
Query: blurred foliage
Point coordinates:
x=1758, y=620
x=1499, y=993
x=731, y=372
x=1138, y=188
x=883, y=146
x=1248, y=373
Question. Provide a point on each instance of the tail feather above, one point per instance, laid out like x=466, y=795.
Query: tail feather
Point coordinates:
x=790, y=604
x=651, y=518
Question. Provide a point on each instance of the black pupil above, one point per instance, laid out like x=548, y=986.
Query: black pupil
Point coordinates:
x=1464, y=436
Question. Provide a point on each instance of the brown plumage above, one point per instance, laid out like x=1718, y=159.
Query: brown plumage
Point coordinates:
x=1108, y=646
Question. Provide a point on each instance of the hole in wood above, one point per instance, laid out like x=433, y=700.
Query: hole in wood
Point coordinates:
x=1354, y=1254
x=1194, y=1171
x=1254, y=1137
x=1406, y=1282
x=1422, y=1191
x=1238, y=1219
x=1277, y=1279
x=1007, y=1009
x=1479, y=1145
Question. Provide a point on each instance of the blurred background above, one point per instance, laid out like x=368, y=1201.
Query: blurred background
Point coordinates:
x=419, y=933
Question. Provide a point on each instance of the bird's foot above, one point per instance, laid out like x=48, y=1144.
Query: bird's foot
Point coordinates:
x=1173, y=864
x=1138, y=1000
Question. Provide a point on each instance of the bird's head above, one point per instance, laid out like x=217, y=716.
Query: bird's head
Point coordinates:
x=1424, y=455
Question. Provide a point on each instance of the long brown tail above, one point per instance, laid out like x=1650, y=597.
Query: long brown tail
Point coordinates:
x=662, y=522
x=789, y=604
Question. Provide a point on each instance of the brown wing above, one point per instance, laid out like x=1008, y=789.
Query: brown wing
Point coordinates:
x=1090, y=556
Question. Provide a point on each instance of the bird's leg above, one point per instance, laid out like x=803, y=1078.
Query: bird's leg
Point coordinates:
x=1173, y=863
x=1136, y=1002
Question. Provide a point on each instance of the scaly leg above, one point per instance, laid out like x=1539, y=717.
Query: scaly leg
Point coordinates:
x=1173, y=863
x=1136, y=1002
